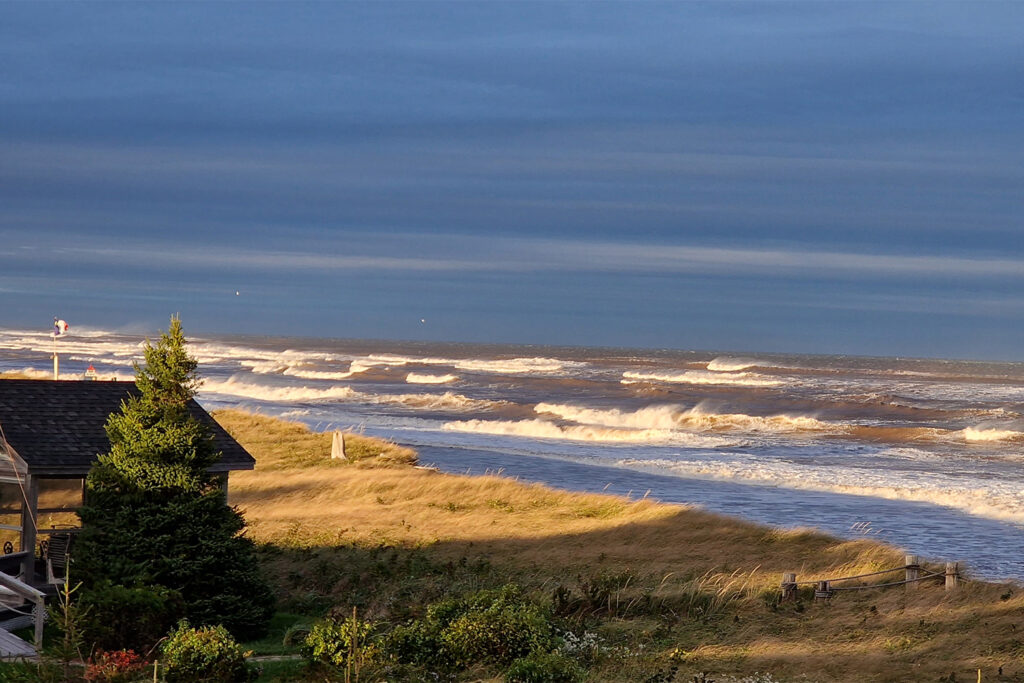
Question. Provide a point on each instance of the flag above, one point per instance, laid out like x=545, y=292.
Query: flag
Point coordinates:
x=60, y=327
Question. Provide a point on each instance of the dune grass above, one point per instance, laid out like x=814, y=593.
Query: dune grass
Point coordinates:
x=660, y=588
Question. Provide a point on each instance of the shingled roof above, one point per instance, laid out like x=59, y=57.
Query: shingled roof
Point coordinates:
x=57, y=426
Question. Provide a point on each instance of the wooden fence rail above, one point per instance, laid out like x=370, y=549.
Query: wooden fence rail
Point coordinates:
x=824, y=589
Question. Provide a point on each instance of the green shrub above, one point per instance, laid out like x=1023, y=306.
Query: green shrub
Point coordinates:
x=488, y=627
x=501, y=632
x=136, y=618
x=544, y=667
x=417, y=643
x=206, y=653
x=334, y=643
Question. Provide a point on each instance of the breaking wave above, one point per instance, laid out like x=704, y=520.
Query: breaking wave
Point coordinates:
x=674, y=417
x=269, y=367
x=234, y=386
x=417, y=378
x=102, y=374
x=659, y=417
x=748, y=379
x=446, y=401
x=726, y=364
x=504, y=366
x=543, y=429
x=990, y=434
x=698, y=416
x=449, y=401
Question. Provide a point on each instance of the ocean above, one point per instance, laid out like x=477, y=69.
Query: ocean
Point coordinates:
x=924, y=454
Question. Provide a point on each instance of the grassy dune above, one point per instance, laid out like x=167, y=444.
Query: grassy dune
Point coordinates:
x=660, y=586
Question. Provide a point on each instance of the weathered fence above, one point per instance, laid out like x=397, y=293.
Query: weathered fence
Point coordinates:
x=825, y=589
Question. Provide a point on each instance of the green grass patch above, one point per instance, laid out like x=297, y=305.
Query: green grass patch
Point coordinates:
x=283, y=670
x=273, y=642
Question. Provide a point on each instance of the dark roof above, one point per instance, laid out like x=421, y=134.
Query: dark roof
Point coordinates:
x=57, y=426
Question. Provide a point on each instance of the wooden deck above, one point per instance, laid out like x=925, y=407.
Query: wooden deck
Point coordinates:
x=13, y=647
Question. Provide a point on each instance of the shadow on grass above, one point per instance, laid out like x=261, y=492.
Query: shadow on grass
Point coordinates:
x=692, y=588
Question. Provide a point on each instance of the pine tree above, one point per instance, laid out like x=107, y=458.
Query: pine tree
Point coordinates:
x=154, y=516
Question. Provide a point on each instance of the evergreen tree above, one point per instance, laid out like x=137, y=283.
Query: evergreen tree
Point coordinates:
x=154, y=516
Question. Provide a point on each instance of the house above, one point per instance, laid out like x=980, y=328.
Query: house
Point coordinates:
x=50, y=434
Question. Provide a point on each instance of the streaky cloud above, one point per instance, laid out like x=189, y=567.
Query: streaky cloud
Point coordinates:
x=478, y=254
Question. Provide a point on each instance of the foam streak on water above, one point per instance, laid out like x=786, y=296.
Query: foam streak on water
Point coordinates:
x=903, y=437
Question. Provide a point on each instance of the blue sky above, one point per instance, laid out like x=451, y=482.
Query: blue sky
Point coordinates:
x=815, y=177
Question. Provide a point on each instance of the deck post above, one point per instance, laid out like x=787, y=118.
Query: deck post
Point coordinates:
x=38, y=614
x=29, y=506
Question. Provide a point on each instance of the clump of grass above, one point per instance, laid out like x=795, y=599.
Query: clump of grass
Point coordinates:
x=602, y=509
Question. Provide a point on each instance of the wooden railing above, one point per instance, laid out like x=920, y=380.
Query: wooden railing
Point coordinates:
x=19, y=587
x=826, y=588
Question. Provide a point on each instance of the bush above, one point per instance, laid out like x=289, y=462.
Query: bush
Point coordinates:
x=492, y=626
x=207, y=653
x=498, y=626
x=121, y=617
x=417, y=643
x=334, y=643
x=116, y=666
x=544, y=667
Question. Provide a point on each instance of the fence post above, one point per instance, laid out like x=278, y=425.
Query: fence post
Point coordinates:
x=788, y=587
x=913, y=563
x=951, y=575
x=823, y=592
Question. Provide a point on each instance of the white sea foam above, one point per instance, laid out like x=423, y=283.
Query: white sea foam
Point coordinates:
x=300, y=370
x=986, y=498
x=700, y=417
x=35, y=373
x=104, y=375
x=675, y=417
x=748, y=379
x=543, y=429
x=911, y=454
x=990, y=434
x=235, y=386
x=448, y=401
x=418, y=378
x=317, y=374
x=659, y=417
x=72, y=344
x=102, y=358
x=727, y=364
x=216, y=352
x=502, y=366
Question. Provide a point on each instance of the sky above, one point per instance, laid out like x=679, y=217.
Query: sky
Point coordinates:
x=810, y=177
